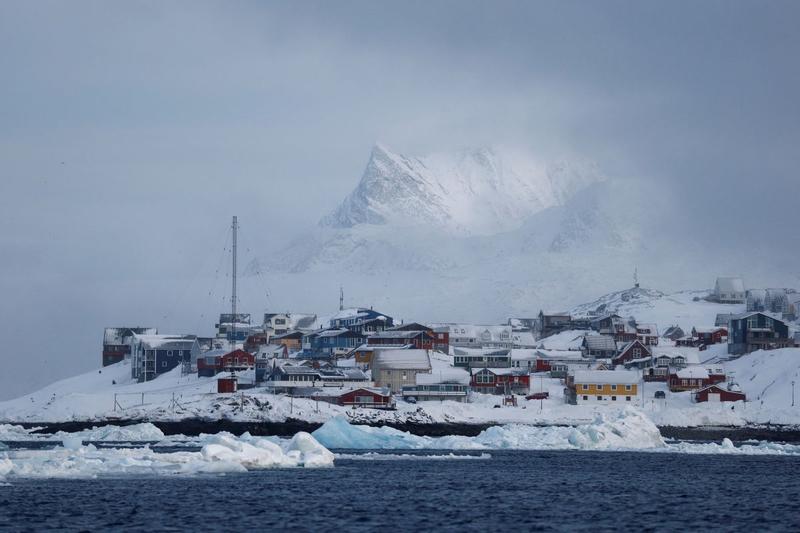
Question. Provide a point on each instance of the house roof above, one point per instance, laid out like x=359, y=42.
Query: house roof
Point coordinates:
x=505, y=371
x=600, y=342
x=333, y=332
x=402, y=360
x=692, y=372
x=118, y=335
x=398, y=334
x=611, y=377
x=653, y=328
x=157, y=341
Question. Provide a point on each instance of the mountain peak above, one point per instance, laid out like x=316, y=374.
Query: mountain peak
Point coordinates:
x=477, y=191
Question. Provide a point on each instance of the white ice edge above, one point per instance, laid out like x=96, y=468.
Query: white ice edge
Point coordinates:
x=374, y=456
x=223, y=453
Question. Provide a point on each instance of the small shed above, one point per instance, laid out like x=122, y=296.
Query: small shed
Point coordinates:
x=227, y=385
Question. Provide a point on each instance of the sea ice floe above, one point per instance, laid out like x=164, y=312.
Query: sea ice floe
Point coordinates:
x=223, y=453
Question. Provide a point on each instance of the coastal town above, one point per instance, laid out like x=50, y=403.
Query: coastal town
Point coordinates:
x=364, y=358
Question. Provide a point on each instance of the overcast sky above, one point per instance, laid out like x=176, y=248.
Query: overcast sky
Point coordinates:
x=131, y=132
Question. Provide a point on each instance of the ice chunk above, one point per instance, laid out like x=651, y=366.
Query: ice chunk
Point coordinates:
x=72, y=443
x=308, y=451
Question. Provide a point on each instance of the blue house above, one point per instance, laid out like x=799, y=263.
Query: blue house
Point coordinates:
x=331, y=341
x=153, y=355
x=749, y=332
x=361, y=320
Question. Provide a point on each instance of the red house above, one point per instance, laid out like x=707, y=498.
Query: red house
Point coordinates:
x=715, y=393
x=631, y=351
x=710, y=335
x=501, y=381
x=367, y=397
x=237, y=360
x=420, y=340
x=253, y=342
x=694, y=378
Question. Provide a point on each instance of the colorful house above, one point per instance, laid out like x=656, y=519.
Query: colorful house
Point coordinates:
x=602, y=386
x=749, y=332
x=501, y=381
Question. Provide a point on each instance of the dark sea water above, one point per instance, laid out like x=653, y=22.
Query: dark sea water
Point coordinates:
x=511, y=491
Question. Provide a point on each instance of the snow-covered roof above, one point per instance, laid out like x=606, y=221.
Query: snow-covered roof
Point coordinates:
x=523, y=338
x=444, y=375
x=563, y=355
x=394, y=334
x=708, y=330
x=117, y=336
x=511, y=371
x=600, y=342
x=156, y=341
x=692, y=372
x=401, y=359
x=333, y=332
x=566, y=340
x=652, y=328
x=523, y=354
x=612, y=377
x=350, y=312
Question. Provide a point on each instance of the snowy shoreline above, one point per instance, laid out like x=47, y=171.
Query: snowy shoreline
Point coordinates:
x=289, y=427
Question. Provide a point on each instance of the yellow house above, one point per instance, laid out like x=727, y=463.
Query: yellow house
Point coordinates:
x=604, y=386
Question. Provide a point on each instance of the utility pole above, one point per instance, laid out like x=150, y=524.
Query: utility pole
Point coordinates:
x=341, y=298
x=234, y=227
x=792, y=393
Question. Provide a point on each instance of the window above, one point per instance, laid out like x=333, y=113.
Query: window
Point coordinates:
x=164, y=364
x=585, y=398
x=169, y=353
x=585, y=387
x=627, y=387
x=613, y=387
x=627, y=398
x=599, y=387
x=599, y=397
x=613, y=398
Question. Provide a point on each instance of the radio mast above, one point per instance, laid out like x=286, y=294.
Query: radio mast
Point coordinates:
x=234, y=227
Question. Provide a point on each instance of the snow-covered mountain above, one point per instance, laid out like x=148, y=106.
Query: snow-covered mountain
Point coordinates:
x=481, y=235
x=472, y=192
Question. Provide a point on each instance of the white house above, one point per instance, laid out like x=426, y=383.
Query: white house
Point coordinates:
x=396, y=369
x=729, y=291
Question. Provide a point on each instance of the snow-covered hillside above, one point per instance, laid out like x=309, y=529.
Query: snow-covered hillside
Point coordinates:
x=764, y=376
x=686, y=309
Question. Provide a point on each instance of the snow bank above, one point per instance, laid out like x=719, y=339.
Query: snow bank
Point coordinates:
x=221, y=454
x=624, y=429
